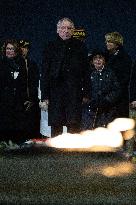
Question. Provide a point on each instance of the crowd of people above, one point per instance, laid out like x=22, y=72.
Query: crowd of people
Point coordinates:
x=78, y=90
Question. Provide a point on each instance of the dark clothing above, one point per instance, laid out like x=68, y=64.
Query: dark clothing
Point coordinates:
x=104, y=98
x=13, y=89
x=11, y=96
x=30, y=76
x=121, y=64
x=133, y=84
x=65, y=81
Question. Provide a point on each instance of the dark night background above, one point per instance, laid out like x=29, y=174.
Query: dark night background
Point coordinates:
x=36, y=21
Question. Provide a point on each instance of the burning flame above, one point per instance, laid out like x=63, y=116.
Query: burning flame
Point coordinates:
x=99, y=139
x=93, y=140
x=125, y=126
x=122, y=124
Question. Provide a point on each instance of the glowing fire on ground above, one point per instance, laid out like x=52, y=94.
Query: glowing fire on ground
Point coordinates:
x=90, y=139
x=99, y=139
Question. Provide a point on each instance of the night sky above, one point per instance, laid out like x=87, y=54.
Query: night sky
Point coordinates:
x=36, y=21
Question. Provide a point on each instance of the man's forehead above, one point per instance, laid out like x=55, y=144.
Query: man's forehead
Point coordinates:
x=66, y=23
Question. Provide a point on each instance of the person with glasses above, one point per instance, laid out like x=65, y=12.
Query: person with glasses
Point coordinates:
x=65, y=79
x=11, y=92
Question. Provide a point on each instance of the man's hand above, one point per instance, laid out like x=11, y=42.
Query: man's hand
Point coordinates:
x=44, y=105
x=133, y=104
x=28, y=105
x=85, y=100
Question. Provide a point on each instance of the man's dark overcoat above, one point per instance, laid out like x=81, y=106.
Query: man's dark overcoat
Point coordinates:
x=65, y=80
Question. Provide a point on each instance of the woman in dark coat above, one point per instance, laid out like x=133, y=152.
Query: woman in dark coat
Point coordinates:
x=120, y=62
x=18, y=95
x=105, y=91
x=11, y=92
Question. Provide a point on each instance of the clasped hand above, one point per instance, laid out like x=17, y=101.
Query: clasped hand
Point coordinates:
x=28, y=105
x=44, y=105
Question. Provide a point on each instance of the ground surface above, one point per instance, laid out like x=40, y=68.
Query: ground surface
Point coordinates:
x=52, y=177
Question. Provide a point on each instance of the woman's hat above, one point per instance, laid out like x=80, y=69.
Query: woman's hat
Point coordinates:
x=24, y=43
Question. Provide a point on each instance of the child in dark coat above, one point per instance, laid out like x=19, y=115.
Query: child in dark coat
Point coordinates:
x=105, y=91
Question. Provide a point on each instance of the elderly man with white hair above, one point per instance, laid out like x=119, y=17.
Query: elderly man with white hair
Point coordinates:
x=65, y=79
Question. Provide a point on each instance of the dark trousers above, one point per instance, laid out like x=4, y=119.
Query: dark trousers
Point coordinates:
x=58, y=129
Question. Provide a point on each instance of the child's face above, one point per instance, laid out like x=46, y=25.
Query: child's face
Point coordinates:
x=98, y=61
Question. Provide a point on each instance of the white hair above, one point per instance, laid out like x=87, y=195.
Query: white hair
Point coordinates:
x=65, y=19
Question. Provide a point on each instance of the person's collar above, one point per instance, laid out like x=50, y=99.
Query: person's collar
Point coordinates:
x=116, y=52
x=100, y=69
x=64, y=41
